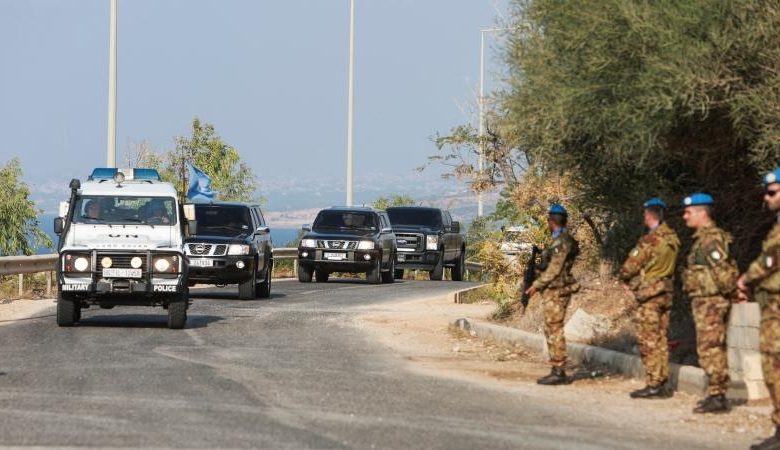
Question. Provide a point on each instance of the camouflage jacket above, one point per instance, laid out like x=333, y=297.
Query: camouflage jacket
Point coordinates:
x=763, y=273
x=554, y=271
x=710, y=268
x=649, y=268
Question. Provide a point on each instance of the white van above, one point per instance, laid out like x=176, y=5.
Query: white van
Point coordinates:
x=121, y=243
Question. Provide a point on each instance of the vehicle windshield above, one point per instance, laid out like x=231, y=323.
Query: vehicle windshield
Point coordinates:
x=222, y=220
x=344, y=220
x=112, y=210
x=415, y=216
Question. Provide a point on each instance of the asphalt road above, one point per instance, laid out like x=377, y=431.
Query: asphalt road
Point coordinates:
x=280, y=373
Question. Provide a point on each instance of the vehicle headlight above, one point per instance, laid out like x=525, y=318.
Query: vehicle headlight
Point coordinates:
x=365, y=245
x=238, y=249
x=309, y=243
x=106, y=262
x=81, y=264
x=162, y=264
x=431, y=242
x=136, y=262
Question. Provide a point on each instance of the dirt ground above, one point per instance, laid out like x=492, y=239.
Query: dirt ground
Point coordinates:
x=12, y=311
x=420, y=332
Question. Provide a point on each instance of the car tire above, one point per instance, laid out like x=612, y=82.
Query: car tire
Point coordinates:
x=66, y=311
x=374, y=276
x=438, y=271
x=263, y=289
x=322, y=275
x=389, y=276
x=247, y=289
x=304, y=274
x=177, y=311
x=398, y=274
x=460, y=268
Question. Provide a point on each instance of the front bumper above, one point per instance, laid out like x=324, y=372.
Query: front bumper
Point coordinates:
x=221, y=269
x=354, y=261
x=426, y=260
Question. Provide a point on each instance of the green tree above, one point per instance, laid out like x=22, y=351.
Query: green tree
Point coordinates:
x=393, y=200
x=20, y=232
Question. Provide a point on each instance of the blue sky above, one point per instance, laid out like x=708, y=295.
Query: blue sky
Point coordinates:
x=270, y=75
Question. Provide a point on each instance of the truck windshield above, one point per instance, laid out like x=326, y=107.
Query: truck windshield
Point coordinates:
x=222, y=220
x=415, y=216
x=334, y=220
x=112, y=210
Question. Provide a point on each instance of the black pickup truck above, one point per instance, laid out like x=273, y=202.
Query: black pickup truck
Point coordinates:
x=428, y=239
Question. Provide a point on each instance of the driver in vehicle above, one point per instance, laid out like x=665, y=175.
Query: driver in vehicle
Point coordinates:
x=158, y=215
x=92, y=210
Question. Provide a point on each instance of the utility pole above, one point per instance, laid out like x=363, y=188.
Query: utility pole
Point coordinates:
x=111, y=151
x=351, y=101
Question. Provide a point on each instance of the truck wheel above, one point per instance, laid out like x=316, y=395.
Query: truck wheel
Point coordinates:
x=322, y=275
x=66, y=311
x=374, y=276
x=304, y=274
x=438, y=272
x=389, y=276
x=246, y=290
x=460, y=268
x=399, y=274
x=177, y=312
x=263, y=289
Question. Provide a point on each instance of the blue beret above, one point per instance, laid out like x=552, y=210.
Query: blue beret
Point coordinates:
x=772, y=177
x=556, y=208
x=655, y=201
x=699, y=198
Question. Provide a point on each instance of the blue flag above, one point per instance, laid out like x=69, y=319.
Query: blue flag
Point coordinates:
x=200, y=185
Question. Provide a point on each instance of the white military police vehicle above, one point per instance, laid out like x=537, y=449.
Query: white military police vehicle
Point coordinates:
x=121, y=243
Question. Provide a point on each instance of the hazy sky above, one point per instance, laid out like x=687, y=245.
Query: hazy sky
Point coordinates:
x=270, y=75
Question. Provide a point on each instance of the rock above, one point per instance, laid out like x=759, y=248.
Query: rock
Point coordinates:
x=584, y=327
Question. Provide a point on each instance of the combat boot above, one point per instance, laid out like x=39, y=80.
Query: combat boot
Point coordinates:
x=656, y=391
x=556, y=376
x=772, y=443
x=713, y=404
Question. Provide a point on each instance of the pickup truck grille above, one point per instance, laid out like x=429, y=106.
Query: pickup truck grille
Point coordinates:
x=337, y=245
x=408, y=242
x=120, y=261
x=203, y=249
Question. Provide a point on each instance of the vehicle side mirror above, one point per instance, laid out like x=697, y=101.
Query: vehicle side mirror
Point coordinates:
x=306, y=228
x=262, y=230
x=192, y=227
x=455, y=226
x=59, y=225
x=189, y=211
x=387, y=230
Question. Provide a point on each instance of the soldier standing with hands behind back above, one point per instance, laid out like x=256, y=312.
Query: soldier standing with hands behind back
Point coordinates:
x=710, y=281
x=649, y=273
x=764, y=278
x=555, y=284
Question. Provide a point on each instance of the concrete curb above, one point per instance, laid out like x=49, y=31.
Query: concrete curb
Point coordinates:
x=682, y=378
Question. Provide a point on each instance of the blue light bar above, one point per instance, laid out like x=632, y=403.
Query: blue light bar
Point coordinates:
x=146, y=174
x=103, y=173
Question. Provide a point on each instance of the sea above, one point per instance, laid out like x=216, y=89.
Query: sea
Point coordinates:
x=281, y=237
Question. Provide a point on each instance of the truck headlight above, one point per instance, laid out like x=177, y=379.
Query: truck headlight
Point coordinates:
x=136, y=262
x=81, y=264
x=309, y=243
x=162, y=264
x=431, y=242
x=238, y=249
x=365, y=245
x=106, y=262
x=76, y=263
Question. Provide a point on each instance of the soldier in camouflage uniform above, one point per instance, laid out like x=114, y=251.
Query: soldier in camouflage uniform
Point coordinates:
x=710, y=281
x=763, y=277
x=555, y=284
x=649, y=272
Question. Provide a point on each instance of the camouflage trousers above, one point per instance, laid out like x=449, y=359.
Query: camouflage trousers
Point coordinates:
x=554, y=304
x=711, y=315
x=770, y=352
x=652, y=324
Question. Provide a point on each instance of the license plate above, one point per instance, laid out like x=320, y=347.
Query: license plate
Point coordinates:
x=201, y=262
x=401, y=258
x=335, y=256
x=122, y=273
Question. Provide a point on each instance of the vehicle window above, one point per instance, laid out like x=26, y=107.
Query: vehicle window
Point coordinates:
x=415, y=216
x=255, y=219
x=358, y=220
x=101, y=209
x=223, y=220
x=260, y=216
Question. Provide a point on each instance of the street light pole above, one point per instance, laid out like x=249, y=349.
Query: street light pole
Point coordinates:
x=111, y=156
x=351, y=101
